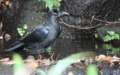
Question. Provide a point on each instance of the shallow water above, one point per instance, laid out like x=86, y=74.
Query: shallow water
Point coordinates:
x=64, y=47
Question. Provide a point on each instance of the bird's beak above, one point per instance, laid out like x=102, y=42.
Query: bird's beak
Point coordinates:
x=62, y=13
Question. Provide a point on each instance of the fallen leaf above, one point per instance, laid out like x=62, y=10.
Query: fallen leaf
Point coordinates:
x=101, y=57
x=4, y=59
x=9, y=62
x=45, y=62
x=1, y=25
x=29, y=59
x=70, y=73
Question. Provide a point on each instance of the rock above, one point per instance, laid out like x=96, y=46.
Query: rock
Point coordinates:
x=102, y=31
x=30, y=12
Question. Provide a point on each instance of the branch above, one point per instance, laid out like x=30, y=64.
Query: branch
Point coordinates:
x=72, y=26
x=106, y=21
x=92, y=27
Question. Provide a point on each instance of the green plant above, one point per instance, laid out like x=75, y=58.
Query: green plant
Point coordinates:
x=92, y=70
x=112, y=50
x=49, y=50
x=118, y=19
x=96, y=34
x=18, y=67
x=22, y=31
x=111, y=36
x=96, y=46
x=52, y=3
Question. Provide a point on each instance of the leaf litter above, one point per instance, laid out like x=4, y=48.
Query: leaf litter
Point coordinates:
x=101, y=61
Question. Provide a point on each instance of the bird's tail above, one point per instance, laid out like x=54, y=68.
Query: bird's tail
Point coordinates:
x=15, y=47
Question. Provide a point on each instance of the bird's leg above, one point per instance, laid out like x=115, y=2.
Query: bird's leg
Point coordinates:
x=39, y=54
x=46, y=50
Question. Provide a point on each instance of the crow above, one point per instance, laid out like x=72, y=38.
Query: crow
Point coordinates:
x=43, y=36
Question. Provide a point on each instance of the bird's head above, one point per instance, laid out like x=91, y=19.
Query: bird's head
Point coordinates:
x=55, y=13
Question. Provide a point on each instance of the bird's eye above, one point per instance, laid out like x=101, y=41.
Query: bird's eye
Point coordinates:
x=55, y=11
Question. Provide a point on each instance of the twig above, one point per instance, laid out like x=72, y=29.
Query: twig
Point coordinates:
x=52, y=56
x=85, y=19
x=105, y=21
x=40, y=56
x=72, y=26
x=101, y=20
x=92, y=20
x=3, y=33
x=57, y=57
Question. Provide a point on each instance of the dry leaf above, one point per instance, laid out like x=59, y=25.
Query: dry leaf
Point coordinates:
x=1, y=25
x=9, y=62
x=29, y=59
x=107, y=58
x=7, y=37
x=101, y=57
x=4, y=7
x=45, y=62
x=32, y=65
x=4, y=59
x=70, y=73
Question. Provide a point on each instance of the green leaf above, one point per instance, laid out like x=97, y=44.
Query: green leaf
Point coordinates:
x=107, y=38
x=49, y=4
x=49, y=49
x=111, y=32
x=21, y=34
x=96, y=35
x=27, y=33
x=59, y=0
x=19, y=68
x=96, y=46
x=92, y=70
x=107, y=46
x=112, y=37
x=119, y=19
x=25, y=26
x=19, y=29
x=117, y=36
x=23, y=31
x=59, y=4
x=54, y=2
x=41, y=72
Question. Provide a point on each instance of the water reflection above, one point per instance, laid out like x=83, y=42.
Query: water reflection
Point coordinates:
x=112, y=50
x=64, y=47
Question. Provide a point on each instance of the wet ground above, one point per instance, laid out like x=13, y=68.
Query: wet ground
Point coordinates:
x=64, y=47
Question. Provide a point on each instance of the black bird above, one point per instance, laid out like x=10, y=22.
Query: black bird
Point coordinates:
x=44, y=35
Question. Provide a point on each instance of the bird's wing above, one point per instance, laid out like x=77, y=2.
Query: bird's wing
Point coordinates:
x=17, y=42
x=36, y=36
x=15, y=47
